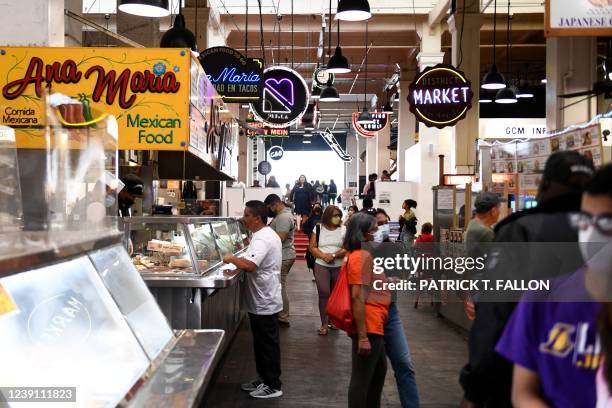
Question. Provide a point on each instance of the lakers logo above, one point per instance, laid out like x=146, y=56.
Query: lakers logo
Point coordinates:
x=559, y=342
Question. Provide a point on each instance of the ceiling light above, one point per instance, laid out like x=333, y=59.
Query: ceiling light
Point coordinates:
x=543, y=81
x=387, y=108
x=485, y=99
x=524, y=94
x=145, y=8
x=506, y=96
x=493, y=79
x=338, y=64
x=364, y=117
x=308, y=134
x=306, y=141
x=330, y=93
x=353, y=10
x=179, y=36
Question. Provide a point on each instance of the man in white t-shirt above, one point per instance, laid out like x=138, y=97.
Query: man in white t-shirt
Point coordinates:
x=262, y=265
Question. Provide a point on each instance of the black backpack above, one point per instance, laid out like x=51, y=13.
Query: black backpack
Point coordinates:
x=310, y=258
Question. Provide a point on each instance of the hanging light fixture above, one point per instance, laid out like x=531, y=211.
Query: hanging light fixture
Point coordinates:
x=485, y=97
x=330, y=93
x=365, y=117
x=493, y=79
x=316, y=93
x=145, y=8
x=353, y=10
x=179, y=36
x=338, y=64
x=508, y=94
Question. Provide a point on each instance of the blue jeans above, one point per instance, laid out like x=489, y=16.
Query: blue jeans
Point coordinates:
x=397, y=349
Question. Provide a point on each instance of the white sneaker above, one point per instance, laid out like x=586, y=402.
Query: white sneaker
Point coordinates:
x=252, y=386
x=264, y=392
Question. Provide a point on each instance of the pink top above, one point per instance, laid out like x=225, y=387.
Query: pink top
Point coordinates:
x=604, y=400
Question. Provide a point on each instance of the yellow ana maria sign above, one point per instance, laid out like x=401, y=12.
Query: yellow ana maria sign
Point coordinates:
x=147, y=90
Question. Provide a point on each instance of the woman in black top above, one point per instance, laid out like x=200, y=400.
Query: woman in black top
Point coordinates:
x=302, y=196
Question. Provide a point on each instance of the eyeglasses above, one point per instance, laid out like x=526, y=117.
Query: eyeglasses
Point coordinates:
x=602, y=222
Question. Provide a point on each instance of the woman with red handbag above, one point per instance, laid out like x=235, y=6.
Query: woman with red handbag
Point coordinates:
x=370, y=310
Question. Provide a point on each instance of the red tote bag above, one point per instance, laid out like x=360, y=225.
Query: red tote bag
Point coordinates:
x=339, y=307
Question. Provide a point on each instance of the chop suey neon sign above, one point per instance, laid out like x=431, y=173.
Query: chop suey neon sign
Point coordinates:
x=115, y=85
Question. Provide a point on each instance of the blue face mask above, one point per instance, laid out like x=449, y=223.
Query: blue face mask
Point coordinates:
x=109, y=201
x=382, y=233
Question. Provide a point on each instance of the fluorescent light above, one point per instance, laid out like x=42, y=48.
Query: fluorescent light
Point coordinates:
x=486, y=100
x=543, y=81
x=145, y=8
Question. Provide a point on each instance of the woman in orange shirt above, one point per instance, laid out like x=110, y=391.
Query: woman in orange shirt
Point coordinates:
x=370, y=310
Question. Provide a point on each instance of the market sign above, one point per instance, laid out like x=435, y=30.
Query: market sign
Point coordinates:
x=276, y=153
x=380, y=120
x=146, y=89
x=440, y=96
x=578, y=18
x=285, y=98
x=235, y=77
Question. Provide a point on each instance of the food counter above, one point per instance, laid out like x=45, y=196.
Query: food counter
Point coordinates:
x=180, y=259
x=75, y=313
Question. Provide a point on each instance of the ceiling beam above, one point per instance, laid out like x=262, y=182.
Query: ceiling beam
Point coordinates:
x=438, y=12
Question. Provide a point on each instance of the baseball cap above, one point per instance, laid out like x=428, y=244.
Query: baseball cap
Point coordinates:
x=562, y=166
x=271, y=199
x=485, y=201
x=133, y=185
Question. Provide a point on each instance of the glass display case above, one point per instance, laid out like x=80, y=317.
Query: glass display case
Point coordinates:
x=77, y=314
x=183, y=251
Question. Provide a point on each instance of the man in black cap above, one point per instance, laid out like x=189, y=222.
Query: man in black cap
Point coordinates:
x=487, y=378
x=284, y=225
x=133, y=189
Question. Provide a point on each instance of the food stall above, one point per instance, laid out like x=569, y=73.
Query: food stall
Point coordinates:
x=74, y=312
x=171, y=128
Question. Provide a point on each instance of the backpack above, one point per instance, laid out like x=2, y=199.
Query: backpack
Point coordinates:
x=310, y=258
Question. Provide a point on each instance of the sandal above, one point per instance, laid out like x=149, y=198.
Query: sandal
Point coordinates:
x=323, y=331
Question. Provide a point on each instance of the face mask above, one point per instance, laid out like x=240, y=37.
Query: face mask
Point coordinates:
x=271, y=213
x=336, y=221
x=317, y=211
x=109, y=201
x=596, y=249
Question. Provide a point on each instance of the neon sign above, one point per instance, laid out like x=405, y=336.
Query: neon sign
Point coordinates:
x=380, y=121
x=440, y=96
x=235, y=77
x=285, y=98
x=331, y=141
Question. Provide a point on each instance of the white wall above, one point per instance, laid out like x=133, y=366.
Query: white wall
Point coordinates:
x=32, y=22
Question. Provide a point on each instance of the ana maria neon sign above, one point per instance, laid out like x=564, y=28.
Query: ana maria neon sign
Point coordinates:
x=235, y=77
x=440, y=96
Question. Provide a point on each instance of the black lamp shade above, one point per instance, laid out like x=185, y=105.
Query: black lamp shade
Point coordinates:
x=364, y=117
x=353, y=10
x=179, y=36
x=387, y=108
x=338, y=64
x=145, y=8
x=506, y=96
x=493, y=79
x=329, y=94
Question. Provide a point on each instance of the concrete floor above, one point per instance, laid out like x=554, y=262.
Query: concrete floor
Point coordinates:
x=316, y=369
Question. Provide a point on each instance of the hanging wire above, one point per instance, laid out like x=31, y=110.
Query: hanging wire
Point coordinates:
x=292, y=58
x=461, y=36
x=246, y=28
x=329, y=30
x=196, y=22
x=263, y=50
x=509, y=44
x=365, y=78
x=494, y=27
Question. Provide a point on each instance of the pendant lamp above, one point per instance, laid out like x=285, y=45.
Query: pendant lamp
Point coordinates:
x=145, y=8
x=338, y=64
x=316, y=93
x=388, y=108
x=364, y=116
x=353, y=10
x=330, y=93
x=493, y=79
x=179, y=36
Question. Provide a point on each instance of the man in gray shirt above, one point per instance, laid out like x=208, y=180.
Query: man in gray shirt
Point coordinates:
x=479, y=229
x=283, y=224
